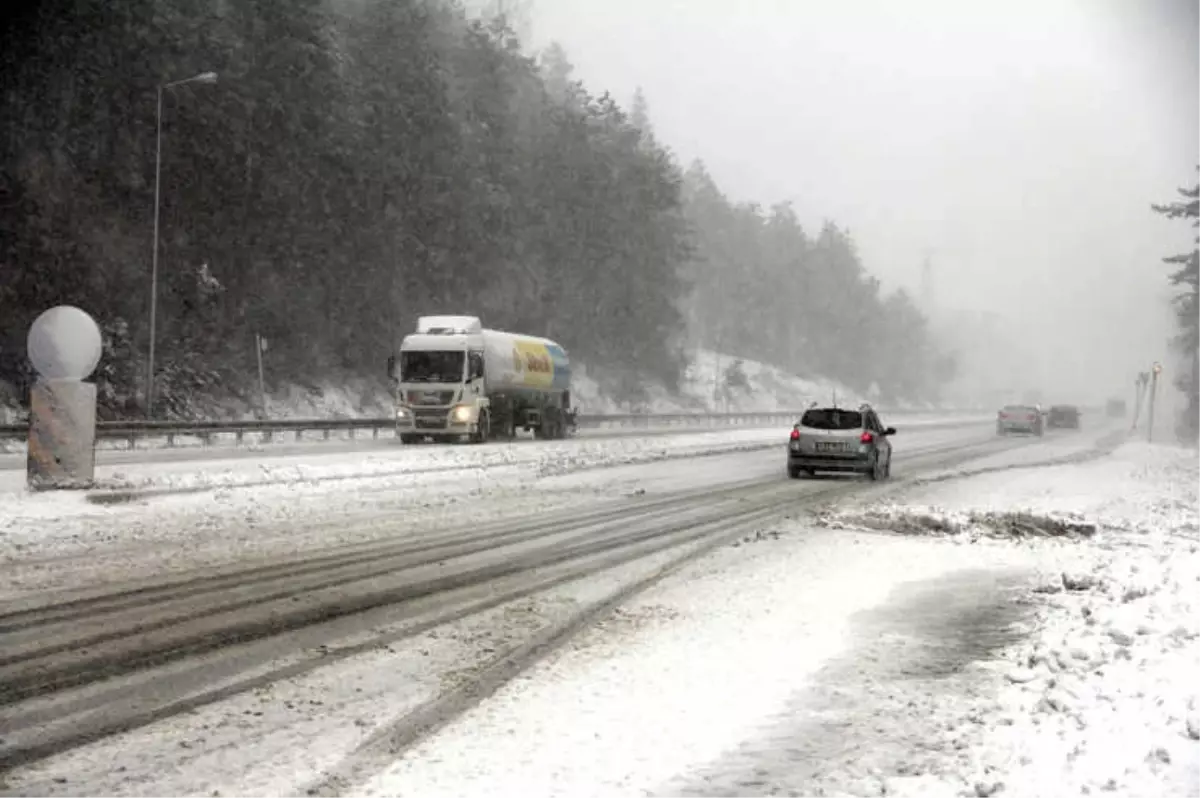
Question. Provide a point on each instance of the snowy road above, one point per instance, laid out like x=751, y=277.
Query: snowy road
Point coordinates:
x=114, y=452
x=172, y=639
x=154, y=451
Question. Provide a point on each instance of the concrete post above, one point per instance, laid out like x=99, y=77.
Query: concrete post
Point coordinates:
x=64, y=346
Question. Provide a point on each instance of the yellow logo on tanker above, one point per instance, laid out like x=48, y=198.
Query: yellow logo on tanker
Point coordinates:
x=534, y=360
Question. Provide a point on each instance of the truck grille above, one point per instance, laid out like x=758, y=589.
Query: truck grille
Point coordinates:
x=429, y=420
x=442, y=398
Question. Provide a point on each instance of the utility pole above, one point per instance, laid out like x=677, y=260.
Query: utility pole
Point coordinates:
x=1150, y=412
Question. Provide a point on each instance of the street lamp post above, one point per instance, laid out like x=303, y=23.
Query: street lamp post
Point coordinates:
x=203, y=77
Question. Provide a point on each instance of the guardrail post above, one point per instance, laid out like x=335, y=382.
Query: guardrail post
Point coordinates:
x=237, y=437
x=170, y=439
x=267, y=437
x=132, y=439
x=327, y=433
x=374, y=432
x=299, y=433
x=351, y=431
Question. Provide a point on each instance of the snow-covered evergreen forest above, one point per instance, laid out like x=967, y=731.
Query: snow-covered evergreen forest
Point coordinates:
x=360, y=162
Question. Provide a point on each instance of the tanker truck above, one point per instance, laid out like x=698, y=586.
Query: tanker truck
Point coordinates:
x=455, y=380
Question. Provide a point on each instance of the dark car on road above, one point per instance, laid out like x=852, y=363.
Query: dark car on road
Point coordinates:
x=840, y=440
x=1063, y=417
x=1115, y=408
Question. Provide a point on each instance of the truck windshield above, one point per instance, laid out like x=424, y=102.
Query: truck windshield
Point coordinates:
x=431, y=366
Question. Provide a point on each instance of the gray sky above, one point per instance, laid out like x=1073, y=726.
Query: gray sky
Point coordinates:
x=1020, y=143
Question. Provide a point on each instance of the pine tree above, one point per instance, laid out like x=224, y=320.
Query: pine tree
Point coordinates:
x=1187, y=308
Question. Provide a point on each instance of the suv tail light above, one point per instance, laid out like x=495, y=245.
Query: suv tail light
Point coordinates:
x=866, y=437
x=795, y=434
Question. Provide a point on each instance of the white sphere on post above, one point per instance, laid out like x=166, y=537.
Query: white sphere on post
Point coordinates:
x=64, y=346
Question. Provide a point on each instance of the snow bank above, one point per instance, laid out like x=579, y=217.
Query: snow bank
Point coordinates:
x=706, y=387
x=1103, y=698
x=703, y=388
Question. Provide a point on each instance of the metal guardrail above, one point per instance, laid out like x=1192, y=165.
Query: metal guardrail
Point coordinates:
x=205, y=430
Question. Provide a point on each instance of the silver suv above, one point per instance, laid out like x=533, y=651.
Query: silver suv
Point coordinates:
x=837, y=439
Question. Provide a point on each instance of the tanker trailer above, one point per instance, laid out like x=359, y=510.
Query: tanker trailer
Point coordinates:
x=455, y=379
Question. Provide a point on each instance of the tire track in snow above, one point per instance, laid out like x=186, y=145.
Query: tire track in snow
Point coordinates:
x=68, y=716
x=871, y=711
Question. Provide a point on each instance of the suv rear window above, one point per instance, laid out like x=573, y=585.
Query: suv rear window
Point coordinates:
x=832, y=418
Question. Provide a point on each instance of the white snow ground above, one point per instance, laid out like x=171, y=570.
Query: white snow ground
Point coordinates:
x=684, y=689
x=698, y=685
x=1104, y=697
x=275, y=739
x=242, y=508
x=403, y=463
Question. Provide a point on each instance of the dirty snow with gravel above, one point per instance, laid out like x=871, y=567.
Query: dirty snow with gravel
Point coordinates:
x=752, y=673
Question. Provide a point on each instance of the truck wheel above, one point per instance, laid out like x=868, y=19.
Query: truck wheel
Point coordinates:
x=409, y=438
x=793, y=472
x=484, y=430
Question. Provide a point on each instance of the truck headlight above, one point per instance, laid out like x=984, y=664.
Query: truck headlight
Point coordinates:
x=401, y=413
x=462, y=414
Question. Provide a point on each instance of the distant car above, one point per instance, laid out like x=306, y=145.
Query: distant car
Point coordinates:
x=840, y=440
x=1115, y=408
x=1063, y=417
x=1019, y=418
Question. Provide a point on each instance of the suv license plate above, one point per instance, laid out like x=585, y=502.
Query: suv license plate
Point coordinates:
x=830, y=447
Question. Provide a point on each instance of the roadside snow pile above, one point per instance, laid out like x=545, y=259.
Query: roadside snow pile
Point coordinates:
x=1107, y=699
x=972, y=524
x=1103, y=698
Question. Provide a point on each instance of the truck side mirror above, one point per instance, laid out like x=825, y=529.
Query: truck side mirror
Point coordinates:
x=391, y=367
